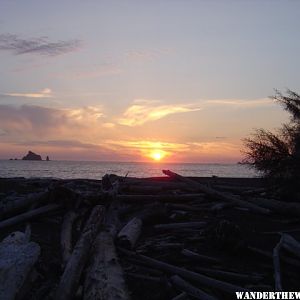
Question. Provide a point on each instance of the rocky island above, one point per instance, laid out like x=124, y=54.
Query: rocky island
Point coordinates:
x=32, y=156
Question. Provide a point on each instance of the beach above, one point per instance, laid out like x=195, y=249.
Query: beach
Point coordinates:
x=166, y=236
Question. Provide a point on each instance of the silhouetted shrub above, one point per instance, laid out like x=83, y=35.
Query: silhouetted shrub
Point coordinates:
x=277, y=154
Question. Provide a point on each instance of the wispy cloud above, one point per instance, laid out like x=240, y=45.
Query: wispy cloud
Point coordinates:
x=45, y=93
x=40, y=45
x=149, y=145
x=142, y=111
x=239, y=103
x=61, y=144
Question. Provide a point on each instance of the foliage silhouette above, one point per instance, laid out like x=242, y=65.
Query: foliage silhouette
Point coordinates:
x=277, y=154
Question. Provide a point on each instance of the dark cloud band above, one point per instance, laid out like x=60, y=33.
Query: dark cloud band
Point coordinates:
x=40, y=46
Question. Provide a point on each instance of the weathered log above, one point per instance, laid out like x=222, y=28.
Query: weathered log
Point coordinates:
x=112, y=222
x=138, y=189
x=154, y=198
x=277, y=268
x=18, y=204
x=217, y=195
x=66, y=236
x=280, y=207
x=178, y=226
x=130, y=233
x=104, y=279
x=29, y=215
x=291, y=244
x=202, y=279
x=198, y=257
x=182, y=207
x=184, y=286
x=231, y=276
x=17, y=259
x=221, y=206
x=181, y=296
x=153, y=279
x=69, y=281
x=265, y=254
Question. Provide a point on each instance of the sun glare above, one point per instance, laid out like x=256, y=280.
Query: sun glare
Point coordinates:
x=157, y=155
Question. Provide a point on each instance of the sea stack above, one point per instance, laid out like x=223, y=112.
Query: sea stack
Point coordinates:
x=32, y=156
x=47, y=158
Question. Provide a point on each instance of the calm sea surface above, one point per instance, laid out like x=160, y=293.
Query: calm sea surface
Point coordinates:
x=96, y=169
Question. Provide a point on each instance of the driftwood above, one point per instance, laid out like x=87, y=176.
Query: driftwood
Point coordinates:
x=152, y=279
x=130, y=233
x=164, y=198
x=198, y=257
x=104, y=279
x=97, y=274
x=281, y=207
x=178, y=226
x=181, y=296
x=17, y=259
x=29, y=215
x=190, y=275
x=277, y=268
x=66, y=235
x=190, y=289
x=231, y=276
x=68, y=284
x=16, y=205
x=217, y=195
x=291, y=244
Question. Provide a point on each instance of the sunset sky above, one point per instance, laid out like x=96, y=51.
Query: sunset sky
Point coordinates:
x=180, y=80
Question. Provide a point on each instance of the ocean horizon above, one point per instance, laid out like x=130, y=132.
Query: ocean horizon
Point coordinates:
x=96, y=169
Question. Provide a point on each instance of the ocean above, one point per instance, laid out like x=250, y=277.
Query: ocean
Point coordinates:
x=96, y=169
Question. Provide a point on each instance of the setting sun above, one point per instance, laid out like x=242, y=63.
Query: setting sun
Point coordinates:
x=157, y=155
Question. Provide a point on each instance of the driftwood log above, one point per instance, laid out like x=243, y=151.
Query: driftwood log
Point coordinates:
x=280, y=207
x=17, y=259
x=130, y=233
x=277, y=266
x=15, y=205
x=29, y=215
x=66, y=236
x=190, y=275
x=217, y=195
x=68, y=284
x=184, y=286
x=104, y=279
x=178, y=226
x=164, y=198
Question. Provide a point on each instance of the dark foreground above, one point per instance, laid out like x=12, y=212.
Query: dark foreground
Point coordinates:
x=157, y=238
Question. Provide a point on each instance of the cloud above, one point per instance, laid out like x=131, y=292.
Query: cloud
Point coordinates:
x=45, y=93
x=142, y=111
x=240, y=103
x=149, y=145
x=61, y=144
x=41, y=45
x=33, y=120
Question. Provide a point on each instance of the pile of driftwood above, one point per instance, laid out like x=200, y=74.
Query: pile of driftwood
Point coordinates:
x=154, y=238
